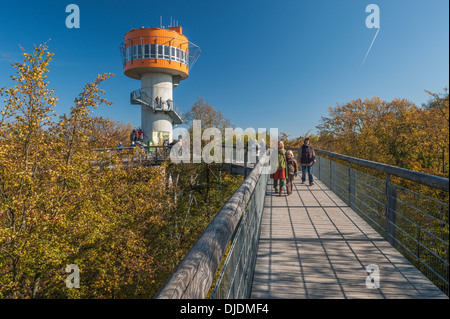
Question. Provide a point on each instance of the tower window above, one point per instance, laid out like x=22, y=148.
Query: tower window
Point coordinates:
x=166, y=52
x=155, y=51
x=152, y=51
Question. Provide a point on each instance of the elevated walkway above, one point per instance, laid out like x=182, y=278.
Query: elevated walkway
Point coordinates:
x=350, y=235
x=312, y=245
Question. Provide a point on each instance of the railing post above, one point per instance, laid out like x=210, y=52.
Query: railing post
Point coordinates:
x=318, y=164
x=245, y=161
x=331, y=174
x=391, y=212
x=351, y=185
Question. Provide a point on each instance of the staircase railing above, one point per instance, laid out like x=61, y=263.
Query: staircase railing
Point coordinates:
x=139, y=97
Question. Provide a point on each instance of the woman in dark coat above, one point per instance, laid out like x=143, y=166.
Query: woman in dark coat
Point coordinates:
x=306, y=158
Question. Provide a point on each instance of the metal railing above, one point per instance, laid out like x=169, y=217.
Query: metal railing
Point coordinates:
x=138, y=154
x=236, y=275
x=415, y=224
x=238, y=221
x=193, y=50
x=138, y=97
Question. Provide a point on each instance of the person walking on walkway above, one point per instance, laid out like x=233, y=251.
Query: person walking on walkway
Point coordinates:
x=280, y=174
x=292, y=169
x=307, y=158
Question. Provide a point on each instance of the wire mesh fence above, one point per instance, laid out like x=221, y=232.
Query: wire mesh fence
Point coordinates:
x=235, y=278
x=416, y=224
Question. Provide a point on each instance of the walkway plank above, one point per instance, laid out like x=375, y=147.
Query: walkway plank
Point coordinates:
x=313, y=246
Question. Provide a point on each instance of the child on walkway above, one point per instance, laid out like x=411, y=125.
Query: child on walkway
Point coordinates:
x=292, y=168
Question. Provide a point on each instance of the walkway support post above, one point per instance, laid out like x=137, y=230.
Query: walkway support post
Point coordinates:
x=391, y=212
x=351, y=186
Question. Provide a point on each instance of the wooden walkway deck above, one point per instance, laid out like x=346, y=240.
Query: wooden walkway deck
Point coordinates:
x=312, y=246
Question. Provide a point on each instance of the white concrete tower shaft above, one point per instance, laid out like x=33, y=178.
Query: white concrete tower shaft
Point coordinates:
x=157, y=125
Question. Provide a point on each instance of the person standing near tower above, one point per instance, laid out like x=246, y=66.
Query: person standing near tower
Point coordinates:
x=306, y=158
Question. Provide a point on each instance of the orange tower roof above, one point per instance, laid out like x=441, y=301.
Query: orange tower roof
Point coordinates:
x=148, y=50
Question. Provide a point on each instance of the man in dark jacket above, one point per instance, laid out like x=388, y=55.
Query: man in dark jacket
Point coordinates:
x=306, y=158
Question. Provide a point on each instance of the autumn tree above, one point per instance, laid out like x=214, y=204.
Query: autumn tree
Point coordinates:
x=396, y=132
x=210, y=116
x=297, y=142
x=204, y=178
x=125, y=226
x=110, y=133
x=436, y=135
x=58, y=208
x=24, y=159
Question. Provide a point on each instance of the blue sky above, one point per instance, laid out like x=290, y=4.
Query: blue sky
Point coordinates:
x=264, y=64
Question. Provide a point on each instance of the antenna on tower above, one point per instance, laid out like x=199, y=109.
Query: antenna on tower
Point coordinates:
x=160, y=22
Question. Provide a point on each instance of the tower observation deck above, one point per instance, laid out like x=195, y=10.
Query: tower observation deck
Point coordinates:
x=160, y=58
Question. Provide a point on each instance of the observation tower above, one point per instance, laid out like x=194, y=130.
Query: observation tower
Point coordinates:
x=160, y=58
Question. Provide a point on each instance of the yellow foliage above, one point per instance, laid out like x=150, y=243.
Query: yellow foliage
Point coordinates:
x=57, y=208
x=397, y=132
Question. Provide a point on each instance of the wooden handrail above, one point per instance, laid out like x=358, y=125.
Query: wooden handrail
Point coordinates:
x=194, y=275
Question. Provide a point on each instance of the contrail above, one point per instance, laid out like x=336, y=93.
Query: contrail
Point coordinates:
x=370, y=46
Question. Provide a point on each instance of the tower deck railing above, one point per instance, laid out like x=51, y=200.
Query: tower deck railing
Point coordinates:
x=193, y=50
x=415, y=224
